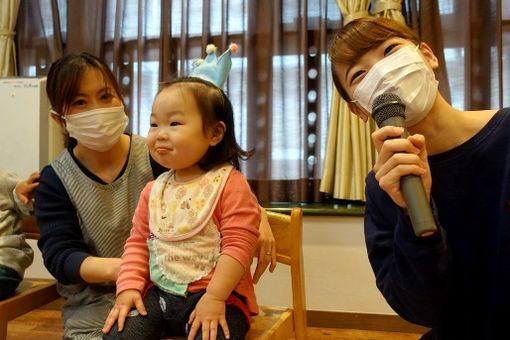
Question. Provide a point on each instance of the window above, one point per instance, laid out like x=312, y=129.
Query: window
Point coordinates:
x=279, y=83
x=302, y=116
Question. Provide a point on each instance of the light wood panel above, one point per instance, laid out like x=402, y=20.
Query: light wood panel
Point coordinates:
x=44, y=323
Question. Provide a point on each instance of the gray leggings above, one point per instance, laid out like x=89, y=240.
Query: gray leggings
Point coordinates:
x=167, y=315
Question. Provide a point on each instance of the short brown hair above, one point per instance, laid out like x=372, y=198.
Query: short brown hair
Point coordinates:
x=358, y=37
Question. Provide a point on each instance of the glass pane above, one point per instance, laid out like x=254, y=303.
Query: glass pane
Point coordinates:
x=237, y=16
x=454, y=58
x=505, y=9
x=287, y=122
x=149, y=86
x=446, y=7
x=506, y=64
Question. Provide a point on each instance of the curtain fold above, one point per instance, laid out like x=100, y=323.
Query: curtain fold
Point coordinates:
x=287, y=94
x=39, y=36
x=425, y=19
x=349, y=151
x=88, y=21
x=273, y=178
x=391, y=9
x=8, y=14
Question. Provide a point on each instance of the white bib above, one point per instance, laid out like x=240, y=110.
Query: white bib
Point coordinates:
x=185, y=241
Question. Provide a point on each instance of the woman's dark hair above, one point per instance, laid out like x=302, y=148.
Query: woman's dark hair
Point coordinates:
x=358, y=37
x=214, y=106
x=64, y=76
x=63, y=81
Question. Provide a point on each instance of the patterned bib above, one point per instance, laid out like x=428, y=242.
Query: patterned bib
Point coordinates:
x=185, y=241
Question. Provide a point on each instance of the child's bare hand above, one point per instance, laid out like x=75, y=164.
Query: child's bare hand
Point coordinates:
x=123, y=304
x=208, y=314
x=25, y=190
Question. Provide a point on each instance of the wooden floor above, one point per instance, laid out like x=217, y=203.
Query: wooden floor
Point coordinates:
x=351, y=334
x=44, y=323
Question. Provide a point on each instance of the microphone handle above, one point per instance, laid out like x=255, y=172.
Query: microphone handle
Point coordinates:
x=418, y=206
x=413, y=191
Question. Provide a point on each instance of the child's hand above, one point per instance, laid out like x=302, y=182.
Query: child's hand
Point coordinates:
x=208, y=313
x=25, y=189
x=123, y=304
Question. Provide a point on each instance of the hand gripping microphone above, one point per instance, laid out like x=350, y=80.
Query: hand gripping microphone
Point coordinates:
x=388, y=110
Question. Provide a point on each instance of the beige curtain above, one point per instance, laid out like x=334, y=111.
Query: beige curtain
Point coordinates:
x=8, y=15
x=349, y=151
x=391, y=9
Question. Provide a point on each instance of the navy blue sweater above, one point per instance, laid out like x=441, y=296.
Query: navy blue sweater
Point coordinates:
x=456, y=282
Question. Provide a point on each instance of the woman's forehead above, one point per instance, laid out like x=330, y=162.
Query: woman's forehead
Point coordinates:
x=93, y=80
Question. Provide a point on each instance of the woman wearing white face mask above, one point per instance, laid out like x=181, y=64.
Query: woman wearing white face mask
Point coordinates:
x=86, y=197
x=456, y=281
x=98, y=129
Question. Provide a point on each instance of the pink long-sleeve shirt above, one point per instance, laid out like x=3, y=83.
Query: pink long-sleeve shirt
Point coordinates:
x=237, y=215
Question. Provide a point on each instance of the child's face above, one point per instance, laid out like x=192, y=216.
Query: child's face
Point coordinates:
x=93, y=94
x=176, y=138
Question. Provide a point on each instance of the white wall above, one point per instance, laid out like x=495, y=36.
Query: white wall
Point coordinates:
x=338, y=277
x=28, y=138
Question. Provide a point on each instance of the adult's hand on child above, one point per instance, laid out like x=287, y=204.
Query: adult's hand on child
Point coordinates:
x=266, y=250
x=398, y=157
x=25, y=190
x=208, y=314
x=123, y=304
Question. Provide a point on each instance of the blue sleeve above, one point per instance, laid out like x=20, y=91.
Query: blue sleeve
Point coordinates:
x=61, y=243
x=410, y=271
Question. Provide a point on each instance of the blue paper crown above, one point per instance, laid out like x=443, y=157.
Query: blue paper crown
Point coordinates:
x=212, y=69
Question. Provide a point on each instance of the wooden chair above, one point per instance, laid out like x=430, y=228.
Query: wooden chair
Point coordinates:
x=285, y=323
x=31, y=293
x=280, y=323
x=274, y=323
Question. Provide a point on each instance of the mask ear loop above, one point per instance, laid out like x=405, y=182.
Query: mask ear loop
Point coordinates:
x=57, y=115
x=419, y=51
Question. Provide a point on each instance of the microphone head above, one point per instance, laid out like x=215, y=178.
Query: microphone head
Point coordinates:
x=387, y=105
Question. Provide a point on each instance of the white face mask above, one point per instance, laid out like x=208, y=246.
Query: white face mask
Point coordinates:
x=97, y=129
x=405, y=74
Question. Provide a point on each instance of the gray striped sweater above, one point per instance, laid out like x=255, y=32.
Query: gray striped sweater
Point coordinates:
x=104, y=214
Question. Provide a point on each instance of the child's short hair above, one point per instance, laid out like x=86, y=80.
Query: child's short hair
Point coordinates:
x=358, y=37
x=214, y=106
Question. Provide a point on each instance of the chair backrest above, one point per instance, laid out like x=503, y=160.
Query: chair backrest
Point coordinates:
x=287, y=231
x=30, y=228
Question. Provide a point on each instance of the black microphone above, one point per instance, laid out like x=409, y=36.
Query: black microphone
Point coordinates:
x=389, y=110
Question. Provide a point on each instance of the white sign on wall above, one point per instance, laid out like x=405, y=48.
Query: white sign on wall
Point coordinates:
x=28, y=140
